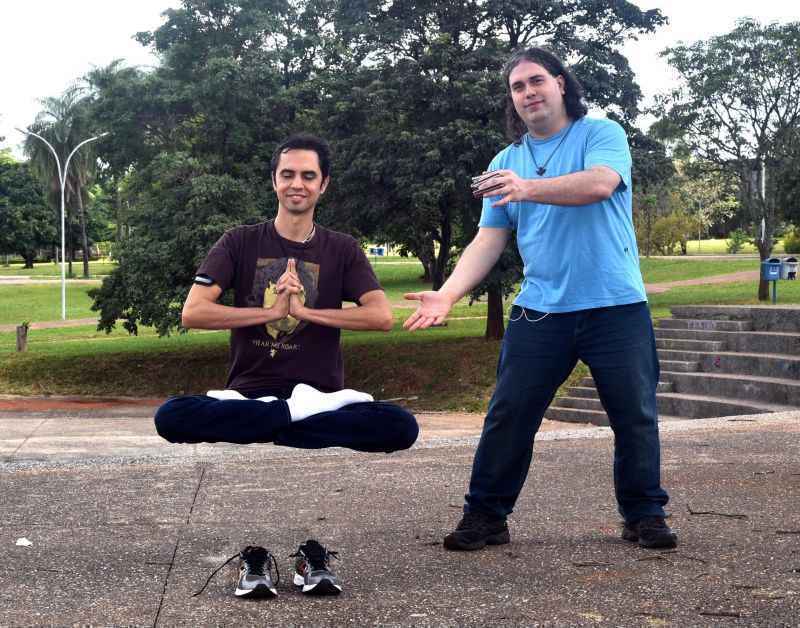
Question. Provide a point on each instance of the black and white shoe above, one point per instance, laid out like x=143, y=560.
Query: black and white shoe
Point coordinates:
x=312, y=572
x=255, y=573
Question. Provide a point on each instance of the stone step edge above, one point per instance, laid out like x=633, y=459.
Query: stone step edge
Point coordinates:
x=743, y=377
x=780, y=356
x=790, y=334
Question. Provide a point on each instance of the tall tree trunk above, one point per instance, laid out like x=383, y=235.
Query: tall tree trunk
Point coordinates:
x=70, y=252
x=84, y=238
x=118, y=214
x=764, y=252
x=444, y=251
x=29, y=259
x=426, y=255
x=494, y=317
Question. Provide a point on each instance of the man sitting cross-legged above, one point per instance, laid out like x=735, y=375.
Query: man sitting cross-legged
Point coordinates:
x=285, y=385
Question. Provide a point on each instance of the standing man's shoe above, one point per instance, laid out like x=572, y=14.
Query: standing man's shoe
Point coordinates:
x=476, y=530
x=312, y=572
x=651, y=532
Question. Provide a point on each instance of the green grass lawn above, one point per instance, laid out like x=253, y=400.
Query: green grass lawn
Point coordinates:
x=719, y=246
x=42, y=302
x=659, y=270
x=49, y=270
x=447, y=368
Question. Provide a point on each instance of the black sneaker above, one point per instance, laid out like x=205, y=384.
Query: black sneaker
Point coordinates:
x=476, y=530
x=312, y=572
x=255, y=577
x=652, y=532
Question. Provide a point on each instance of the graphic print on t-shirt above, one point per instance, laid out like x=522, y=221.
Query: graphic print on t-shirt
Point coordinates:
x=263, y=293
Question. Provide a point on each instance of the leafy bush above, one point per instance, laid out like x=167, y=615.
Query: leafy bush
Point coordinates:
x=736, y=240
x=791, y=241
x=673, y=230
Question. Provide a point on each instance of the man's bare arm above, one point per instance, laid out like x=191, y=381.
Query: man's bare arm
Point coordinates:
x=373, y=313
x=201, y=310
x=578, y=188
x=474, y=264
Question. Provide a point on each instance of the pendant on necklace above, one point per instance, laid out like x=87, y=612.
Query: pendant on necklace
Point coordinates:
x=540, y=170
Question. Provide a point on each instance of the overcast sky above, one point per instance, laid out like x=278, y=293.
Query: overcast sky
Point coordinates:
x=46, y=44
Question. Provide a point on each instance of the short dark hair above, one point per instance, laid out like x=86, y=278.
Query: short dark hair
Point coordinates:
x=304, y=141
x=573, y=90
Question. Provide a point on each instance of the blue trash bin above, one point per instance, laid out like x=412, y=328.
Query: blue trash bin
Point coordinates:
x=771, y=269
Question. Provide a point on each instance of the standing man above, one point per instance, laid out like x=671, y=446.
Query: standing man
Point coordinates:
x=564, y=185
x=285, y=385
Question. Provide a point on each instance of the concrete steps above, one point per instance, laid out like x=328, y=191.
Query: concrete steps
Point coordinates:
x=715, y=361
x=749, y=341
x=737, y=386
x=573, y=415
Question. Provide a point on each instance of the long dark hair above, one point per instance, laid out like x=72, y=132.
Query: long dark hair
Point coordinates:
x=573, y=90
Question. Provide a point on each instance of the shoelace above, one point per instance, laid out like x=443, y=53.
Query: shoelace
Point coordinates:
x=256, y=558
x=317, y=556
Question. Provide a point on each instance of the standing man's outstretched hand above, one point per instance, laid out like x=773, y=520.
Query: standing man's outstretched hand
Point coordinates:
x=432, y=309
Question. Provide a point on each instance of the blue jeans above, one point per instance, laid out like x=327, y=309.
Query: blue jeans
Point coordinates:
x=618, y=345
x=372, y=426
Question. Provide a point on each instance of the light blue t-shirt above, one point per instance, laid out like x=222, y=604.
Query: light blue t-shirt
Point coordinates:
x=576, y=257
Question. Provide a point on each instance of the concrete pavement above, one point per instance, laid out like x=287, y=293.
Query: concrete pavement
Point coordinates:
x=125, y=527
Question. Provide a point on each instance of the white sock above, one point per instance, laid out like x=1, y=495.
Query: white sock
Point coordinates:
x=224, y=395
x=307, y=401
x=267, y=399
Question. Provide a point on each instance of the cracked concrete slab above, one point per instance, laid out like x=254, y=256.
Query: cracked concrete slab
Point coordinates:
x=125, y=532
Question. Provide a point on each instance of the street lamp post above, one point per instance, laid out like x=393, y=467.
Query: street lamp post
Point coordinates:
x=62, y=178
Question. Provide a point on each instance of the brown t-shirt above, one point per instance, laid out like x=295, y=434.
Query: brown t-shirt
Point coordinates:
x=276, y=356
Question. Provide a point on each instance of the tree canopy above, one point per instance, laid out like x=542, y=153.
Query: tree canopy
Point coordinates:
x=739, y=99
x=409, y=94
x=26, y=222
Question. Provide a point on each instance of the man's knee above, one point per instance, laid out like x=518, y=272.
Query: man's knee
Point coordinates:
x=168, y=420
x=404, y=428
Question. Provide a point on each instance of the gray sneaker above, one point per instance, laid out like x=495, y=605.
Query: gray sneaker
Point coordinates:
x=255, y=577
x=312, y=572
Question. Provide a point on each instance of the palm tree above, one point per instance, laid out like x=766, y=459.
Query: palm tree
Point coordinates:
x=63, y=123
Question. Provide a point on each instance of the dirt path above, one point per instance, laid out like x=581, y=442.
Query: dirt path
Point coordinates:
x=744, y=275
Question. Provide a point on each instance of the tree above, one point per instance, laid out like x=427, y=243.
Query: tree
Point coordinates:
x=408, y=93
x=189, y=156
x=63, y=122
x=429, y=87
x=26, y=224
x=740, y=94
x=786, y=174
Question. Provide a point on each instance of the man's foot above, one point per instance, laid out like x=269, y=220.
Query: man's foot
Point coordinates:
x=651, y=532
x=226, y=395
x=313, y=574
x=254, y=573
x=476, y=530
x=307, y=401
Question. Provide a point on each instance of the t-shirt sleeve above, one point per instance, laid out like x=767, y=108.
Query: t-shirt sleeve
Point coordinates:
x=494, y=216
x=359, y=278
x=219, y=266
x=607, y=145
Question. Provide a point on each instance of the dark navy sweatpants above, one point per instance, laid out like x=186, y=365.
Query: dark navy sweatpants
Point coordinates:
x=373, y=426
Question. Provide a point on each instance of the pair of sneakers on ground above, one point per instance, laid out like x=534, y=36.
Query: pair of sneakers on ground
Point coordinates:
x=476, y=530
x=312, y=572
